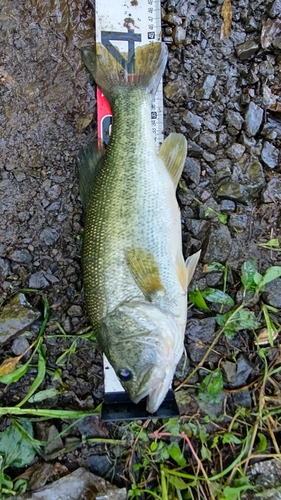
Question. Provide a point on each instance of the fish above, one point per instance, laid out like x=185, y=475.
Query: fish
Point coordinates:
x=135, y=277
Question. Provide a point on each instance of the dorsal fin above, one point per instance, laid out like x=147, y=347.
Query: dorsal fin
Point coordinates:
x=173, y=153
x=89, y=161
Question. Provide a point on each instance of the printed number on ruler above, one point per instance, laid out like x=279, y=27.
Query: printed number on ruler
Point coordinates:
x=147, y=29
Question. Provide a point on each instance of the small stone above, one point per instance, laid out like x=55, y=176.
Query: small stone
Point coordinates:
x=266, y=69
x=49, y=236
x=273, y=191
x=205, y=195
x=174, y=65
x=171, y=5
x=54, y=192
x=192, y=170
x=209, y=157
x=179, y=35
x=214, y=279
x=206, y=88
x=212, y=123
x=237, y=192
x=229, y=371
x=235, y=151
x=21, y=256
x=238, y=221
x=173, y=19
x=223, y=169
x=208, y=140
x=253, y=119
x=191, y=120
x=250, y=25
x=275, y=9
x=198, y=228
x=99, y=464
x=270, y=155
x=199, y=335
x=47, y=432
x=218, y=245
x=272, y=294
x=5, y=269
x=51, y=278
x=255, y=179
x=193, y=149
x=20, y=176
x=234, y=119
x=55, y=206
x=168, y=39
x=247, y=49
x=92, y=426
x=205, y=213
x=277, y=43
x=228, y=207
x=38, y=281
x=243, y=399
x=16, y=317
x=182, y=8
x=173, y=90
x=75, y=310
x=19, y=345
x=269, y=132
x=237, y=374
x=201, y=6
x=77, y=485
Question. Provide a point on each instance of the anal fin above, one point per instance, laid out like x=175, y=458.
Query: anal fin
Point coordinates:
x=173, y=154
x=191, y=263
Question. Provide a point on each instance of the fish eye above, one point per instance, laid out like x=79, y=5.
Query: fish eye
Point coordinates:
x=124, y=375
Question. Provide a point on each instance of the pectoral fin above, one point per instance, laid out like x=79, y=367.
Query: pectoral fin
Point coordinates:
x=145, y=271
x=89, y=161
x=173, y=153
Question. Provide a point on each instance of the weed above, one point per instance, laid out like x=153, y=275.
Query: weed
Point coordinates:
x=187, y=458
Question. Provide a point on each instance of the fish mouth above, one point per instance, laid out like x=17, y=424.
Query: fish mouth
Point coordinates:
x=155, y=391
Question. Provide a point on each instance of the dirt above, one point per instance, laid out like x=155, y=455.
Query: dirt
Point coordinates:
x=47, y=112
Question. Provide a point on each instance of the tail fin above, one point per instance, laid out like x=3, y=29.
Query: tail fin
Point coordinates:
x=110, y=75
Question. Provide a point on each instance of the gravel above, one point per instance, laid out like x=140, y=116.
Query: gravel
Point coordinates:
x=213, y=94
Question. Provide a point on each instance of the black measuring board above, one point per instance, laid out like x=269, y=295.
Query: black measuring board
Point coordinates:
x=117, y=406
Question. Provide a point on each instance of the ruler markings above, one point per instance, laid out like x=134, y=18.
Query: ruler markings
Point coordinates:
x=143, y=19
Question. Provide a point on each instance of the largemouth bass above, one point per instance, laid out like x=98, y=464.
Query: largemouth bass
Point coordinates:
x=135, y=277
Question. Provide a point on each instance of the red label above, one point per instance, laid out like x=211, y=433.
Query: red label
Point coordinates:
x=104, y=117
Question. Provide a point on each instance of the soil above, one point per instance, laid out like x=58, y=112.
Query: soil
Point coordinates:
x=222, y=93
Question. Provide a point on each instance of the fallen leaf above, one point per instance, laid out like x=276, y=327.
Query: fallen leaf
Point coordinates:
x=270, y=29
x=226, y=13
x=9, y=365
x=275, y=107
x=263, y=337
x=83, y=122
